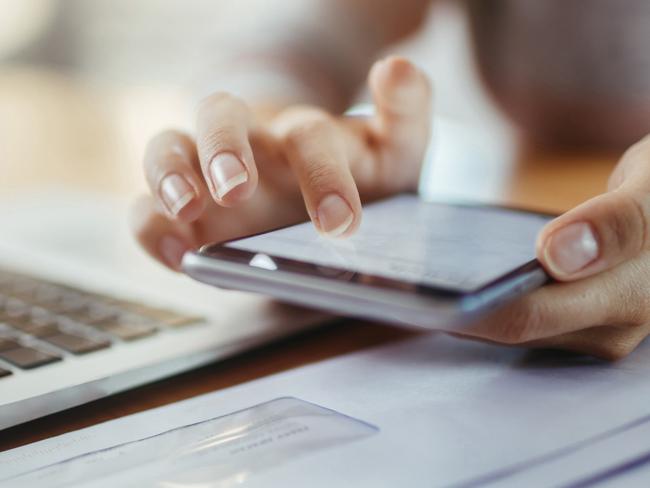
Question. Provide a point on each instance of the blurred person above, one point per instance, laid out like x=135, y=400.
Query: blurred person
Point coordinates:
x=273, y=145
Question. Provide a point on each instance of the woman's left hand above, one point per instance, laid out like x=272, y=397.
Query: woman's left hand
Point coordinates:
x=599, y=253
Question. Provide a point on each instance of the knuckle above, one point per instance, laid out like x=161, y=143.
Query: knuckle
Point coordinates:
x=399, y=70
x=218, y=139
x=169, y=142
x=319, y=175
x=304, y=113
x=628, y=310
x=160, y=139
x=159, y=144
x=633, y=303
x=617, y=349
x=306, y=131
x=635, y=159
x=216, y=99
x=640, y=149
x=630, y=225
x=302, y=125
x=220, y=108
x=521, y=324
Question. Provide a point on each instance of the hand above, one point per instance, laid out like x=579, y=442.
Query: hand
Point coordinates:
x=600, y=254
x=243, y=175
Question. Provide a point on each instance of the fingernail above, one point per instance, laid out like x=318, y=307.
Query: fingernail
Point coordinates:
x=334, y=216
x=227, y=172
x=172, y=251
x=176, y=192
x=571, y=248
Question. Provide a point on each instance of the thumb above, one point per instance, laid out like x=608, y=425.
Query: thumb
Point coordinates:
x=402, y=97
x=606, y=230
x=597, y=235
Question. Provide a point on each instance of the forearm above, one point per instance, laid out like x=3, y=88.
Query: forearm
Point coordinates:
x=312, y=51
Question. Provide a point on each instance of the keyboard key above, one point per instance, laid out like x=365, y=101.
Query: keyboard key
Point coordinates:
x=5, y=279
x=37, y=308
x=64, y=305
x=14, y=309
x=37, y=322
x=128, y=331
x=22, y=286
x=91, y=314
x=14, y=320
x=46, y=293
x=31, y=316
x=76, y=344
x=165, y=317
x=38, y=330
x=4, y=372
x=6, y=344
x=42, y=317
x=28, y=358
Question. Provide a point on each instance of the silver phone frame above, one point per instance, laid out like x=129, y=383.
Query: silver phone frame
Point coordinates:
x=434, y=311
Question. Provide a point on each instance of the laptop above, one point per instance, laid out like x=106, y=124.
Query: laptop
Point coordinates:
x=84, y=313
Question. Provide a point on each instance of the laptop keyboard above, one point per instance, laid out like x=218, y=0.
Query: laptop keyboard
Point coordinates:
x=43, y=322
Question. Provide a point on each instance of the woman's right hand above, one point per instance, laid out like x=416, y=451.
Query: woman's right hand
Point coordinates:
x=240, y=176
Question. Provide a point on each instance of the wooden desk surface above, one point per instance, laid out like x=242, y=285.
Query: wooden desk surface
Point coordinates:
x=49, y=131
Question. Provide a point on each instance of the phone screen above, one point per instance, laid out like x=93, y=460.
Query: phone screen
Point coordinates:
x=458, y=247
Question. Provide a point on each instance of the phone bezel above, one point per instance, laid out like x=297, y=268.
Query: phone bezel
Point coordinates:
x=222, y=251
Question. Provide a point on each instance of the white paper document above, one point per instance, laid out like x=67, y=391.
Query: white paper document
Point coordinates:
x=437, y=411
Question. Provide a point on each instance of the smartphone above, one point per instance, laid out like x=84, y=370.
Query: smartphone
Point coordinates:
x=426, y=264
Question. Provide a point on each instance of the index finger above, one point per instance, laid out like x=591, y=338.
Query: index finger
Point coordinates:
x=612, y=298
x=225, y=153
x=605, y=231
x=171, y=165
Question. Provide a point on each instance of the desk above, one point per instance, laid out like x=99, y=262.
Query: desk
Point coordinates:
x=62, y=152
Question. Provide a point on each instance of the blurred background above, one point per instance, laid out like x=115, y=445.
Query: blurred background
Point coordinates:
x=84, y=84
